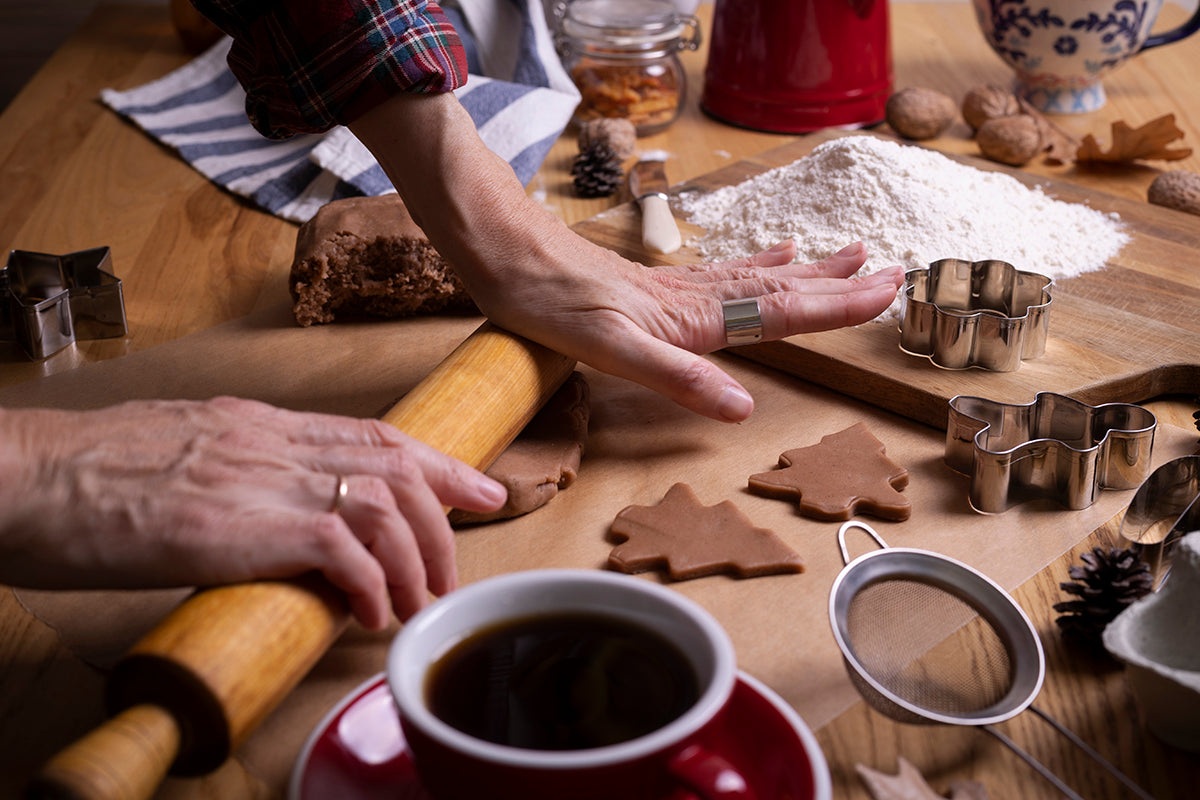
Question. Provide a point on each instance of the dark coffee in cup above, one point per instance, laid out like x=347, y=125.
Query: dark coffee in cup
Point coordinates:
x=562, y=681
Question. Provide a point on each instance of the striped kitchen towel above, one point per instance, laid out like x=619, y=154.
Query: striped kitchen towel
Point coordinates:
x=518, y=94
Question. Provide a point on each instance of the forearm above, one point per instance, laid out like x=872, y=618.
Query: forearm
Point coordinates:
x=13, y=486
x=465, y=197
x=27, y=496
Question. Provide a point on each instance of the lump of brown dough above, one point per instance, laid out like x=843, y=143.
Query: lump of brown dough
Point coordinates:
x=692, y=540
x=365, y=256
x=544, y=459
x=847, y=472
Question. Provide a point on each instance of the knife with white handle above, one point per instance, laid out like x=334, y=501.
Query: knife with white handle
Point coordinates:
x=648, y=185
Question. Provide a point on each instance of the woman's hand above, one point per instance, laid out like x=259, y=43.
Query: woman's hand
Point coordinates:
x=532, y=275
x=178, y=493
x=651, y=325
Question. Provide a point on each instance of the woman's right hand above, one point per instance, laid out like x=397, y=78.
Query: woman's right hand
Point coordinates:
x=182, y=493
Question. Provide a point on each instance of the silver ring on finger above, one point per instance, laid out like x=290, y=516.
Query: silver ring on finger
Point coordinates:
x=339, y=495
x=743, y=321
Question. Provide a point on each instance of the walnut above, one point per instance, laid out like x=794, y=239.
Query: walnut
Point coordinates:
x=1010, y=140
x=917, y=113
x=616, y=132
x=1176, y=189
x=988, y=102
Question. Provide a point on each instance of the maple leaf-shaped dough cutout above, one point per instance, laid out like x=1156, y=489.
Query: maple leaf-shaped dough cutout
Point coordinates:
x=1129, y=144
x=846, y=473
x=693, y=540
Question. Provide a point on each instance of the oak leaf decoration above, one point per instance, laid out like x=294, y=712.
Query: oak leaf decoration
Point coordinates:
x=909, y=784
x=1148, y=142
x=692, y=540
x=846, y=472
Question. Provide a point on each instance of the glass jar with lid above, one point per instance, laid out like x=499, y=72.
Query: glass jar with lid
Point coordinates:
x=623, y=56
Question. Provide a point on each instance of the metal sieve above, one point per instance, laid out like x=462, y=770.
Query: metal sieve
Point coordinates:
x=891, y=610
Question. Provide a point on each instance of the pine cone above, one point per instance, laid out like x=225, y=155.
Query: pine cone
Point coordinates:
x=1108, y=581
x=597, y=171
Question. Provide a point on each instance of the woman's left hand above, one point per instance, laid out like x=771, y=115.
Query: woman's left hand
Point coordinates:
x=532, y=275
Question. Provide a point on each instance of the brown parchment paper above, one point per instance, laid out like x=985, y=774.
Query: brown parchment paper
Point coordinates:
x=639, y=444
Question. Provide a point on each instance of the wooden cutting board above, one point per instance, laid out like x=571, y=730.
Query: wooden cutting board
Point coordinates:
x=1127, y=333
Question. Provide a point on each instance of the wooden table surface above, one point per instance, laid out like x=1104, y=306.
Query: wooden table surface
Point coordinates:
x=191, y=256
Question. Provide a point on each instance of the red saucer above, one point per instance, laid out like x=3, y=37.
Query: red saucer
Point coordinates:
x=357, y=752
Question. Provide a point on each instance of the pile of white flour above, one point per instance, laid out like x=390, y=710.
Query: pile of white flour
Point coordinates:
x=909, y=205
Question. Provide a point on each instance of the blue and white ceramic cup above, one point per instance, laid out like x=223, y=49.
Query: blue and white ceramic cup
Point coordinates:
x=1062, y=49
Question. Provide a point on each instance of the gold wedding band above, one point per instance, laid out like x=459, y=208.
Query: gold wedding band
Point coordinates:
x=339, y=496
x=743, y=321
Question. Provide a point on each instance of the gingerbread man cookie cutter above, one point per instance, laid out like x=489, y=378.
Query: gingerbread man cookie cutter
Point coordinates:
x=49, y=301
x=962, y=314
x=1052, y=448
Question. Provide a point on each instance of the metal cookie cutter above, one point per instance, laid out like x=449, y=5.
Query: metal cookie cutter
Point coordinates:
x=1164, y=508
x=1054, y=447
x=48, y=301
x=964, y=314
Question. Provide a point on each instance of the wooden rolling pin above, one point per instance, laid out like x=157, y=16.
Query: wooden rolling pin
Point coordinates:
x=190, y=692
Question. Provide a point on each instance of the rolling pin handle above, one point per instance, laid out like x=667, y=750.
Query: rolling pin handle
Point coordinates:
x=124, y=759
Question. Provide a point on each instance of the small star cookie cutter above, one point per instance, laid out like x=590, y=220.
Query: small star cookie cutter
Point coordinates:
x=49, y=301
x=962, y=314
x=1054, y=447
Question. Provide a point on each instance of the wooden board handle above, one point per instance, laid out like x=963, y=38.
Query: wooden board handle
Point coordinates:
x=199, y=683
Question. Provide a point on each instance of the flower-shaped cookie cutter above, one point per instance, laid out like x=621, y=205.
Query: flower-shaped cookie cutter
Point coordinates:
x=962, y=314
x=1055, y=448
x=48, y=301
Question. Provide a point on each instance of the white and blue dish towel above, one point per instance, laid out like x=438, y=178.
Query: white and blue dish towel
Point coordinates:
x=518, y=95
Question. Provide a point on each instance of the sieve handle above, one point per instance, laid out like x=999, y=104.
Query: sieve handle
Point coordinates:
x=1041, y=768
x=1070, y=735
x=846, y=526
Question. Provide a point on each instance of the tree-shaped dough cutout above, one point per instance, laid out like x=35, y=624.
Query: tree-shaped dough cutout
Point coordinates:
x=692, y=540
x=845, y=474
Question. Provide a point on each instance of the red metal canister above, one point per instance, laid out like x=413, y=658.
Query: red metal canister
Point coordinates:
x=794, y=66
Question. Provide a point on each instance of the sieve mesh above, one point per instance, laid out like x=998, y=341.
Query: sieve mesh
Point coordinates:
x=897, y=629
x=894, y=616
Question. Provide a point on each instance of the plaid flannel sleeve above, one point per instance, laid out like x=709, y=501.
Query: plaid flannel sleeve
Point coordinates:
x=307, y=65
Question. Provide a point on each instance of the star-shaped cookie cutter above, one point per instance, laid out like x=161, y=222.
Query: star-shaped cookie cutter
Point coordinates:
x=963, y=314
x=1055, y=447
x=49, y=301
